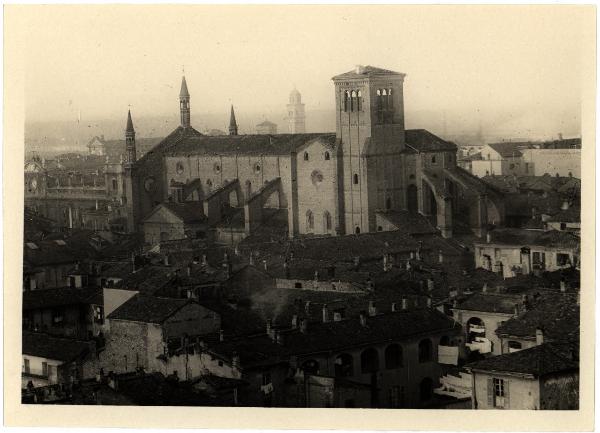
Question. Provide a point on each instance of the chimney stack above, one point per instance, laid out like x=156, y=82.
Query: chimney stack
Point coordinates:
x=404, y=303
x=166, y=260
x=189, y=270
x=440, y=256
x=337, y=316
x=325, y=313
x=251, y=259
x=265, y=265
x=484, y=288
x=412, y=255
x=307, y=308
x=372, y=309
x=394, y=307
x=304, y=326
x=563, y=286
x=565, y=205
x=294, y=321
x=235, y=360
x=270, y=328
x=488, y=237
x=363, y=318
x=539, y=336
x=516, y=310
x=221, y=335
x=429, y=302
x=430, y=285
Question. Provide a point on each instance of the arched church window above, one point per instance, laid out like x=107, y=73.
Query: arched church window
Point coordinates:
x=357, y=230
x=355, y=179
x=327, y=156
x=327, y=221
x=359, y=101
x=353, y=101
x=306, y=156
x=310, y=220
x=346, y=98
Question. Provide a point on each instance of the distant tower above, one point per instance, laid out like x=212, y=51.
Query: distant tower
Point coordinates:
x=184, y=104
x=296, y=118
x=130, y=140
x=233, y=128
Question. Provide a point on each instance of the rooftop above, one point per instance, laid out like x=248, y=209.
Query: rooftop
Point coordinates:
x=422, y=140
x=547, y=358
x=62, y=296
x=60, y=349
x=366, y=71
x=535, y=238
x=148, y=309
x=506, y=149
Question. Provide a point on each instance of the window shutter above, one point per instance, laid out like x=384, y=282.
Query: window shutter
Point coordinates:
x=506, y=394
x=490, y=392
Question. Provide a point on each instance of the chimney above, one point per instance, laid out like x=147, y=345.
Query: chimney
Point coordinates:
x=279, y=337
x=286, y=268
x=385, y=263
x=325, y=313
x=251, y=259
x=307, y=308
x=235, y=360
x=236, y=251
x=221, y=335
x=440, y=256
x=412, y=255
x=189, y=270
x=316, y=276
x=563, y=286
x=394, y=307
x=337, y=316
x=488, y=237
x=304, y=326
x=270, y=328
x=204, y=262
x=166, y=260
x=539, y=336
x=430, y=285
x=484, y=288
x=363, y=318
x=265, y=265
x=294, y=321
x=516, y=310
x=418, y=254
x=408, y=265
x=372, y=308
x=429, y=302
x=77, y=265
x=565, y=205
x=359, y=69
x=404, y=303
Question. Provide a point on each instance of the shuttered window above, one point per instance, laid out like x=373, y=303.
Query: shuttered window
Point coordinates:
x=497, y=393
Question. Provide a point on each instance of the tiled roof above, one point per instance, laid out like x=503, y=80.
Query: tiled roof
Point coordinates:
x=556, y=313
x=148, y=309
x=570, y=215
x=259, y=144
x=60, y=349
x=48, y=298
x=503, y=303
x=366, y=71
x=336, y=336
x=422, y=140
x=535, y=238
x=188, y=212
x=409, y=222
x=547, y=358
x=506, y=149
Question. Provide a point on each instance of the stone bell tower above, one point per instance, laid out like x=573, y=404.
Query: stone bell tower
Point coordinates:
x=370, y=136
x=296, y=117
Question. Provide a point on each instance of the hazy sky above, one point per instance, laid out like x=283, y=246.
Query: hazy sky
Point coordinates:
x=100, y=59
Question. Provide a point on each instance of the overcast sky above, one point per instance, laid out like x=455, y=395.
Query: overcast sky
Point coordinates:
x=478, y=59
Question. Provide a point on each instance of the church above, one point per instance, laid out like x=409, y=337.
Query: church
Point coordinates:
x=350, y=181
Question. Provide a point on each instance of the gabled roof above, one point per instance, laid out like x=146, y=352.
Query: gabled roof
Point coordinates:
x=422, y=140
x=547, y=358
x=521, y=237
x=60, y=349
x=506, y=149
x=148, y=309
x=189, y=211
x=61, y=296
x=366, y=71
x=556, y=313
x=502, y=303
x=258, y=144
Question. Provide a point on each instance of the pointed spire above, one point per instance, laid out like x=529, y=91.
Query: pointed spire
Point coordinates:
x=184, y=90
x=233, y=128
x=129, y=127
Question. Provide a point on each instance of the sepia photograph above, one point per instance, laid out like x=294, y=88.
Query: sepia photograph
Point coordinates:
x=286, y=206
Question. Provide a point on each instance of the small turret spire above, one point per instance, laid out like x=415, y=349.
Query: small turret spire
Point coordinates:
x=130, y=140
x=233, y=128
x=184, y=104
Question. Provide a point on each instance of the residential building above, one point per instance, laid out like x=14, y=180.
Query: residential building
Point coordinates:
x=173, y=221
x=499, y=159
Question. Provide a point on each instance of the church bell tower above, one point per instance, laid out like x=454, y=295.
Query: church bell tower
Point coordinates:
x=184, y=104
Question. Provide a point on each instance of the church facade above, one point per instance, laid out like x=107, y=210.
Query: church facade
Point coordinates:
x=331, y=183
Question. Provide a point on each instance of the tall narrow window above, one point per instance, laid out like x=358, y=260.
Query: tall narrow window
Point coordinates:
x=379, y=106
x=327, y=157
x=306, y=156
x=355, y=179
x=358, y=101
x=346, y=100
x=327, y=221
x=310, y=220
x=353, y=101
